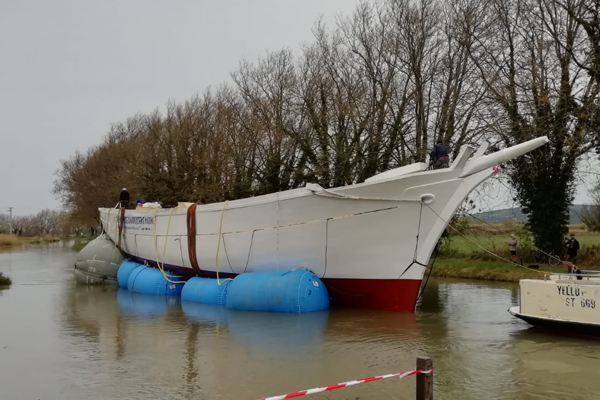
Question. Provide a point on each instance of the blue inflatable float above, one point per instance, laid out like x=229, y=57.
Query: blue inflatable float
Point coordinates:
x=298, y=291
x=205, y=291
x=148, y=280
x=125, y=269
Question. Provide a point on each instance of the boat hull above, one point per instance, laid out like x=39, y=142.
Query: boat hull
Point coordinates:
x=381, y=294
x=350, y=237
x=559, y=326
x=371, y=241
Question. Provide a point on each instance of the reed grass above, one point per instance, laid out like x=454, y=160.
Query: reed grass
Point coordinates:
x=4, y=280
x=486, y=270
x=470, y=246
x=80, y=245
x=7, y=240
x=41, y=239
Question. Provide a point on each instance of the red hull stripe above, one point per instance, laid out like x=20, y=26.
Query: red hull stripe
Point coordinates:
x=380, y=294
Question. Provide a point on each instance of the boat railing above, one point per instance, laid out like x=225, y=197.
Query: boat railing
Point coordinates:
x=582, y=274
x=589, y=272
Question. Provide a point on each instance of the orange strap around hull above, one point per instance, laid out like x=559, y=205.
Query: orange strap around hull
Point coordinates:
x=191, y=238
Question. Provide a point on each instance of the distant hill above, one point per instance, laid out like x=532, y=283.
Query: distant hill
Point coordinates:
x=515, y=213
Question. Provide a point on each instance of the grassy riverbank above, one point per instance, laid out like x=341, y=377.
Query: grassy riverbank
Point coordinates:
x=487, y=270
x=4, y=280
x=10, y=241
x=480, y=253
x=80, y=245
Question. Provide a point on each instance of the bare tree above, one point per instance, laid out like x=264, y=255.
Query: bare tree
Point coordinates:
x=524, y=55
x=371, y=93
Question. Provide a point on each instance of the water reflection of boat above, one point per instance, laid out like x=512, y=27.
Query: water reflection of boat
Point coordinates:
x=279, y=330
x=198, y=351
x=143, y=305
x=353, y=324
x=565, y=303
x=261, y=328
x=208, y=314
x=88, y=309
x=93, y=310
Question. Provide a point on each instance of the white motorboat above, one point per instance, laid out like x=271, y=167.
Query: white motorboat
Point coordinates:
x=566, y=303
x=369, y=242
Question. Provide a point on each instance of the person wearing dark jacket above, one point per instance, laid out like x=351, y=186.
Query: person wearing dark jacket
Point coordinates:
x=572, y=247
x=124, y=198
x=439, y=155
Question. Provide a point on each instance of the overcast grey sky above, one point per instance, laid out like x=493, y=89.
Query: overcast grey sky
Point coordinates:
x=71, y=68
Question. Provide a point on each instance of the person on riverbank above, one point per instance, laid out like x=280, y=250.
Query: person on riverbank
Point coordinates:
x=572, y=247
x=512, y=247
x=439, y=155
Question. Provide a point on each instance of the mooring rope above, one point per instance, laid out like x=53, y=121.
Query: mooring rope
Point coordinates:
x=161, y=268
x=219, y=246
x=510, y=234
x=437, y=251
x=121, y=226
x=481, y=247
x=414, y=260
x=351, y=197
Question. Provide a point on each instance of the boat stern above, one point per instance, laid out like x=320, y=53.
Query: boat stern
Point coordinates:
x=562, y=303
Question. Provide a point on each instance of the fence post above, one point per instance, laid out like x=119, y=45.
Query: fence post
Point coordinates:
x=424, y=381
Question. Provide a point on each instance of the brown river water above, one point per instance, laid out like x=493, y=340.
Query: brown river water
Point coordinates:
x=62, y=341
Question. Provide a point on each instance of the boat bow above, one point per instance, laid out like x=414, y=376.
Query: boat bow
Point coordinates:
x=480, y=163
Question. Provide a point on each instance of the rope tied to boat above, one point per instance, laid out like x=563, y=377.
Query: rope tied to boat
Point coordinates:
x=550, y=256
x=448, y=224
x=321, y=191
x=105, y=232
x=219, y=282
x=414, y=260
x=161, y=267
x=120, y=227
x=321, y=389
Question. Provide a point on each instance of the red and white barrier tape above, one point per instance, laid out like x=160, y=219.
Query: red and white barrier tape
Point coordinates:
x=345, y=384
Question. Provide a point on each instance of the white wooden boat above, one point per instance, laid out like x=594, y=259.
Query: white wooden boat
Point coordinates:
x=566, y=303
x=369, y=242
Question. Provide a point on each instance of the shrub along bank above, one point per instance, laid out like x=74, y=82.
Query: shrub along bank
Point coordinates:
x=4, y=280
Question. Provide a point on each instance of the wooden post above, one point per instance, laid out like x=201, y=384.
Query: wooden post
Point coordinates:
x=424, y=381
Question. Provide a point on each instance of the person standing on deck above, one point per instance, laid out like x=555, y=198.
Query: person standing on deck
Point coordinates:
x=512, y=247
x=439, y=155
x=124, y=198
x=572, y=246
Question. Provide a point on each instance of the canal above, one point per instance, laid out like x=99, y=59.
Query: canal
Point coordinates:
x=62, y=341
